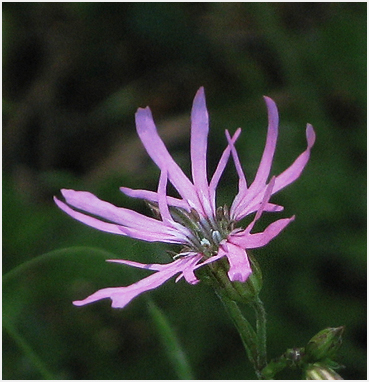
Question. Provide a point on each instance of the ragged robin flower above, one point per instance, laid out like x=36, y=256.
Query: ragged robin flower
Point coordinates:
x=192, y=220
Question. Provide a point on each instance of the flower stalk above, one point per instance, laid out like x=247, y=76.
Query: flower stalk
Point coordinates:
x=232, y=295
x=261, y=333
x=245, y=330
x=314, y=360
x=253, y=341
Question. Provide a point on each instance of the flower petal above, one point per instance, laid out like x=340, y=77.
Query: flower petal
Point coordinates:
x=162, y=198
x=121, y=296
x=266, y=197
x=260, y=210
x=92, y=222
x=189, y=276
x=156, y=231
x=271, y=207
x=239, y=265
x=269, y=150
x=158, y=152
x=153, y=197
x=242, y=201
x=174, y=237
x=199, y=144
x=248, y=240
x=89, y=203
x=207, y=261
x=286, y=177
x=199, y=139
x=220, y=168
x=242, y=183
x=294, y=171
x=150, y=267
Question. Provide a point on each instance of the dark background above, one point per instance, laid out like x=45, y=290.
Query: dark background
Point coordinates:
x=73, y=77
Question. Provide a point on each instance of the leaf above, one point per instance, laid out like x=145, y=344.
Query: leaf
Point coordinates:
x=39, y=292
x=174, y=351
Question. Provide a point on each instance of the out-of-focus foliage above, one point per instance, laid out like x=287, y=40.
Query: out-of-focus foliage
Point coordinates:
x=73, y=76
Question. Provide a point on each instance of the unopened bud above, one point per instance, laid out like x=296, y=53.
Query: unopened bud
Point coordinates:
x=320, y=371
x=325, y=344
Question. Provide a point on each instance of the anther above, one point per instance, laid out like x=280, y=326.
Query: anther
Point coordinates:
x=217, y=237
x=154, y=207
x=195, y=215
x=220, y=213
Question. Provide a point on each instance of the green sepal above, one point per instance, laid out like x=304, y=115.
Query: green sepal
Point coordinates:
x=246, y=292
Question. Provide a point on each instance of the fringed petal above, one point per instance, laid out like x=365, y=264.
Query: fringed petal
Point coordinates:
x=90, y=204
x=248, y=240
x=244, y=199
x=294, y=171
x=220, y=168
x=121, y=296
x=152, y=196
x=239, y=265
x=158, y=152
x=199, y=145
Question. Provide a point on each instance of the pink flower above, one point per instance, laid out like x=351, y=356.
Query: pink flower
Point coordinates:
x=192, y=220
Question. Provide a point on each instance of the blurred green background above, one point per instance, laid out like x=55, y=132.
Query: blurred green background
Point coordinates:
x=73, y=77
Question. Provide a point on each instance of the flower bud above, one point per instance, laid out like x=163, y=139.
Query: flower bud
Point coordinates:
x=325, y=344
x=320, y=371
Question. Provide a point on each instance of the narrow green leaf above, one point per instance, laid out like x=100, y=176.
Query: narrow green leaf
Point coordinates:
x=38, y=286
x=175, y=353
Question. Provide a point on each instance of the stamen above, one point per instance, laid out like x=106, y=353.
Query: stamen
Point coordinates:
x=226, y=213
x=206, y=226
x=154, y=207
x=184, y=217
x=220, y=213
x=178, y=255
x=195, y=215
x=217, y=237
x=204, y=234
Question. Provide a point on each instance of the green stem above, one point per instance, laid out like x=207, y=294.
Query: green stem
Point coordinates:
x=233, y=293
x=245, y=330
x=274, y=366
x=260, y=333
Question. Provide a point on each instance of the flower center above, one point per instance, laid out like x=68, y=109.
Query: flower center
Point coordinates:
x=206, y=233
